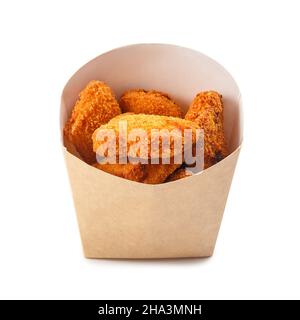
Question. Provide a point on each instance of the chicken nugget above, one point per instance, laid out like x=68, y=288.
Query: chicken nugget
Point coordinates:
x=180, y=173
x=167, y=128
x=207, y=111
x=96, y=105
x=157, y=173
x=134, y=172
x=146, y=173
x=149, y=102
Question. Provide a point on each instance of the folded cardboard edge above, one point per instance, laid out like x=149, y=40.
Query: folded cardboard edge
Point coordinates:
x=79, y=161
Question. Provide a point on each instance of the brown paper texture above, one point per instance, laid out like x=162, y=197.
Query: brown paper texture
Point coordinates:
x=119, y=218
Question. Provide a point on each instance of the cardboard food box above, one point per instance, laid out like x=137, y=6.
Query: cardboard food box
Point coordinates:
x=119, y=218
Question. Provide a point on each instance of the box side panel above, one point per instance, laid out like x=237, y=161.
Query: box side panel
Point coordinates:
x=123, y=219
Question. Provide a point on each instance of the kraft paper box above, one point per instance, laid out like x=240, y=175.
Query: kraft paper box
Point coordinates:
x=119, y=218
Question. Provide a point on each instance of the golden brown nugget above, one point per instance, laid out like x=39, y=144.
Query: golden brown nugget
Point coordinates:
x=207, y=111
x=179, y=174
x=96, y=105
x=157, y=173
x=149, y=102
x=134, y=172
x=173, y=125
x=146, y=173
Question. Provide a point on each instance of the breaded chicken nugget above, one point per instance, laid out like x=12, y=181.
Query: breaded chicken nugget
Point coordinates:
x=157, y=173
x=207, y=111
x=179, y=174
x=146, y=173
x=96, y=105
x=173, y=128
x=134, y=172
x=149, y=102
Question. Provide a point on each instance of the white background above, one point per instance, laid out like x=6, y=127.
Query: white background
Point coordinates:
x=43, y=44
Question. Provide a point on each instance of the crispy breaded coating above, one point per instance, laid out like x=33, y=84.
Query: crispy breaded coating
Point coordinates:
x=157, y=173
x=96, y=105
x=179, y=174
x=207, y=111
x=146, y=173
x=173, y=125
x=134, y=172
x=149, y=102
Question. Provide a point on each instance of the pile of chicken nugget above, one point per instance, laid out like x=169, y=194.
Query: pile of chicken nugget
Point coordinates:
x=97, y=108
